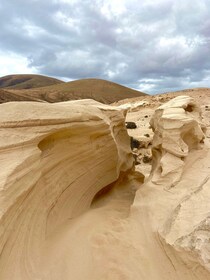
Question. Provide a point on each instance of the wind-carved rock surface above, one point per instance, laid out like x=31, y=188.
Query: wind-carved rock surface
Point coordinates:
x=54, y=159
x=178, y=129
x=58, y=222
x=173, y=205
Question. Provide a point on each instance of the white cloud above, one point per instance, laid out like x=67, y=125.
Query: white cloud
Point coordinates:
x=67, y=21
x=113, y=8
x=12, y=63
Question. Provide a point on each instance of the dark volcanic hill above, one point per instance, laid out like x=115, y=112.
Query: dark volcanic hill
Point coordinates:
x=27, y=81
x=97, y=89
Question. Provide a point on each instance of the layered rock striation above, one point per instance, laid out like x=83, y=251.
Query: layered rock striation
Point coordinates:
x=67, y=210
x=172, y=207
x=54, y=159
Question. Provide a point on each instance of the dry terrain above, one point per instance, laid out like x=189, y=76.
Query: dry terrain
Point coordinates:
x=141, y=115
x=26, y=81
x=201, y=95
x=101, y=90
x=76, y=202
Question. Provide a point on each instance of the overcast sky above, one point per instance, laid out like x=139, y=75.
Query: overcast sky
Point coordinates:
x=150, y=45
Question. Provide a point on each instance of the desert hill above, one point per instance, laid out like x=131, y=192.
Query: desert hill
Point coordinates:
x=100, y=90
x=6, y=96
x=26, y=81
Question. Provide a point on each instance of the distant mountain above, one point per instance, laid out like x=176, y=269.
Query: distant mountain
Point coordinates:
x=8, y=95
x=101, y=90
x=27, y=81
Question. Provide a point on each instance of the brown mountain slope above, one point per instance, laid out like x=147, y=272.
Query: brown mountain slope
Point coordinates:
x=7, y=95
x=97, y=89
x=27, y=81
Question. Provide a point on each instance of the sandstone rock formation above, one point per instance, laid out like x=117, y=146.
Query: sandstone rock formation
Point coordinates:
x=178, y=129
x=71, y=206
x=172, y=207
x=54, y=160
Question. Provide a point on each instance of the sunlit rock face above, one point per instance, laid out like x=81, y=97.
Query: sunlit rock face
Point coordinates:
x=178, y=130
x=71, y=206
x=54, y=159
x=173, y=205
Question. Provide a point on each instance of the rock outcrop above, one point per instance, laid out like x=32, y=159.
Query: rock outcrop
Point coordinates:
x=71, y=206
x=54, y=159
x=178, y=130
x=171, y=210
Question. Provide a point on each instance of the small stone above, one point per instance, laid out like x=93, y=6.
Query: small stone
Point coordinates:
x=147, y=159
x=147, y=135
x=130, y=125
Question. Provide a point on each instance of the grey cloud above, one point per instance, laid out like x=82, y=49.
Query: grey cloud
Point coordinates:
x=157, y=45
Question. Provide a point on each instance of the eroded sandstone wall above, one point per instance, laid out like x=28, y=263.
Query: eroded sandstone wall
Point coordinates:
x=54, y=159
x=172, y=207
